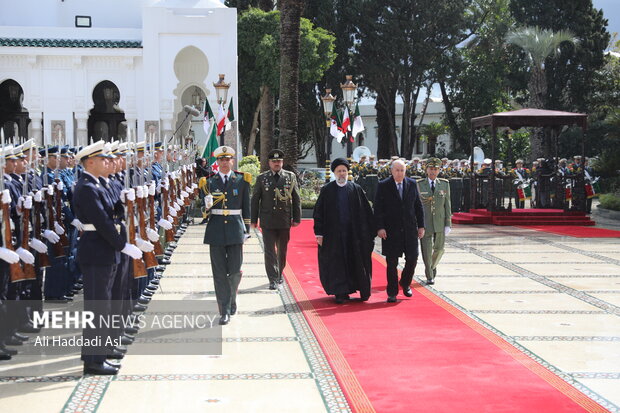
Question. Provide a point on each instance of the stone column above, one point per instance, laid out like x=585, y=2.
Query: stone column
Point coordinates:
x=81, y=130
x=36, y=124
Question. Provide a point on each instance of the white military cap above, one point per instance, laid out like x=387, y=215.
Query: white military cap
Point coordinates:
x=224, y=152
x=29, y=144
x=95, y=149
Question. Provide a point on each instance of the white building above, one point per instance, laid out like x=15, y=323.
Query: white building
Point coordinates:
x=75, y=69
x=369, y=138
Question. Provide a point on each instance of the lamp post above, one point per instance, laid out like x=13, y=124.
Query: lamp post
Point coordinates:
x=221, y=93
x=328, y=105
x=348, y=92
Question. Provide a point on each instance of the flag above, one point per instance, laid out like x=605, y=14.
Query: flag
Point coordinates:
x=590, y=192
x=334, y=128
x=358, y=125
x=568, y=194
x=211, y=146
x=230, y=116
x=521, y=194
x=221, y=120
x=208, y=116
x=346, y=123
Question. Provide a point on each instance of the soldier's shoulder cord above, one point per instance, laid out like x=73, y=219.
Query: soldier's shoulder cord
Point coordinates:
x=443, y=179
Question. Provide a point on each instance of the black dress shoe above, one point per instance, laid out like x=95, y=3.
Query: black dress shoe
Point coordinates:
x=233, y=309
x=13, y=341
x=430, y=282
x=143, y=301
x=126, y=340
x=5, y=356
x=113, y=364
x=365, y=297
x=225, y=319
x=121, y=349
x=341, y=298
x=9, y=351
x=101, y=369
x=164, y=261
x=272, y=285
x=115, y=354
x=155, y=281
x=56, y=300
x=147, y=293
x=131, y=330
x=407, y=291
x=68, y=298
x=391, y=299
x=139, y=307
x=21, y=337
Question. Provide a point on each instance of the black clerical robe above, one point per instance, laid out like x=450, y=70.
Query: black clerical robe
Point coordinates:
x=342, y=215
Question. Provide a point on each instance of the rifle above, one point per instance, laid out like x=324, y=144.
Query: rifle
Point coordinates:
x=149, y=257
x=44, y=259
x=29, y=270
x=139, y=270
x=59, y=250
x=64, y=241
x=15, y=270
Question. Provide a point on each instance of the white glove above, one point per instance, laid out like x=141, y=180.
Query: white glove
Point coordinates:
x=145, y=191
x=179, y=202
x=8, y=256
x=184, y=194
x=188, y=189
x=167, y=225
x=28, y=203
x=60, y=186
x=152, y=235
x=133, y=251
x=38, y=196
x=173, y=212
x=128, y=194
x=25, y=255
x=194, y=186
x=447, y=230
x=50, y=189
x=176, y=206
x=38, y=246
x=76, y=223
x=6, y=196
x=20, y=202
x=139, y=192
x=58, y=229
x=51, y=236
x=144, y=245
x=170, y=219
x=208, y=201
x=246, y=237
x=152, y=189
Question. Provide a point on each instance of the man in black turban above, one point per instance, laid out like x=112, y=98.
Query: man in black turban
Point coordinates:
x=345, y=232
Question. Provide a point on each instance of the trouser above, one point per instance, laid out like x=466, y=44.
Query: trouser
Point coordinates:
x=405, y=277
x=432, y=250
x=98, y=282
x=118, y=293
x=276, y=244
x=226, y=263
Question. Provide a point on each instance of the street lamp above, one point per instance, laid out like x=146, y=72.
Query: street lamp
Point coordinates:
x=197, y=98
x=221, y=93
x=348, y=92
x=221, y=90
x=328, y=106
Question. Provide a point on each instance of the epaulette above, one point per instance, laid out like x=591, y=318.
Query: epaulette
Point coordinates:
x=420, y=180
x=444, y=179
x=247, y=177
x=202, y=183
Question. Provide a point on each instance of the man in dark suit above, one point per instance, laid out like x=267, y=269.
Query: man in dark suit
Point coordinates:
x=400, y=221
x=276, y=201
x=98, y=252
x=229, y=222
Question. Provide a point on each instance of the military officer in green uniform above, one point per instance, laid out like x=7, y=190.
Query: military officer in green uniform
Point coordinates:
x=228, y=205
x=276, y=202
x=435, y=194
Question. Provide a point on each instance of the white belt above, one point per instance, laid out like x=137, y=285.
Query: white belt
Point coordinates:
x=91, y=227
x=226, y=212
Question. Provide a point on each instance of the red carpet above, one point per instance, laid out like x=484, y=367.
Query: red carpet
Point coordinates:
x=519, y=217
x=574, y=231
x=419, y=354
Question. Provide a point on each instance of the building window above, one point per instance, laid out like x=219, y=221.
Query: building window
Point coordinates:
x=83, y=21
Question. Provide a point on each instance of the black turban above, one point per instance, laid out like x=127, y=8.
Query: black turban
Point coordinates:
x=340, y=161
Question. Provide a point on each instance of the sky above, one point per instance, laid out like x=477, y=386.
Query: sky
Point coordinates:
x=611, y=11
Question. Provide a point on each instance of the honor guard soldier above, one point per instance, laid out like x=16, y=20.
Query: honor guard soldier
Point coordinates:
x=276, y=202
x=98, y=252
x=228, y=225
x=435, y=194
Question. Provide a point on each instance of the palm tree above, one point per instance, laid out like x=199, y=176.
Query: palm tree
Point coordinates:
x=290, y=16
x=431, y=132
x=539, y=45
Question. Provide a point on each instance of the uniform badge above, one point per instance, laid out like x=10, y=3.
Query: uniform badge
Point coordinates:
x=235, y=192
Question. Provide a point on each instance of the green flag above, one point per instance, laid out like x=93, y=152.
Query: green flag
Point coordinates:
x=211, y=146
x=231, y=111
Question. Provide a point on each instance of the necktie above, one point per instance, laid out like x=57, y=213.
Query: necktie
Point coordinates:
x=400, y=189
x=433, y=186
x=276, y=177
x=225, y=180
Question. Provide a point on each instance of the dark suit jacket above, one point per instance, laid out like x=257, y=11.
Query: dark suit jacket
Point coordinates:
x=93, y=206
x=401, y=218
